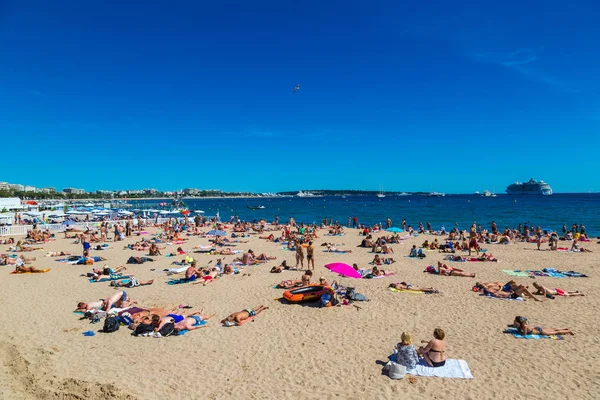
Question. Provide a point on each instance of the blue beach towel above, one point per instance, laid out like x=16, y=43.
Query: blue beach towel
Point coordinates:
x=184, y=331
x=178, y=281
x=515, y=333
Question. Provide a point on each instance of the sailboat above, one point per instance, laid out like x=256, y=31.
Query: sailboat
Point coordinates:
x=380, y=194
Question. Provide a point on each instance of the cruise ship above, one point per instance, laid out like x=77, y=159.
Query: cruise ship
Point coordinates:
x=532, y=187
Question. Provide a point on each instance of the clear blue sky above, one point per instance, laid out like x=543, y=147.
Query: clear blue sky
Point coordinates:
x=450, y=96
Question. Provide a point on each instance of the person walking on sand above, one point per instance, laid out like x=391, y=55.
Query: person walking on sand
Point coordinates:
x=310, y=255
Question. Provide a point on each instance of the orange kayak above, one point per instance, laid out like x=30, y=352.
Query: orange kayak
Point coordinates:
x=306, y=293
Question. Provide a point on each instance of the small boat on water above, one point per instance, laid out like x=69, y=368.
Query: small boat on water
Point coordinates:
x=380, y=194
x=256, y=207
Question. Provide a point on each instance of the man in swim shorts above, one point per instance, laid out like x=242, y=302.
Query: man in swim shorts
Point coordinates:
x=118, y=300
x=192, y=321
x=241, y=317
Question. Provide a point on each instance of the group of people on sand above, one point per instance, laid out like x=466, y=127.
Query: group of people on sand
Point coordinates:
x=433, y=353
x=513, y=290
x=154, y=319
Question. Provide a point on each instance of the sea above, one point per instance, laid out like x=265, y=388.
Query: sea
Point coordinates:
x=548, y=212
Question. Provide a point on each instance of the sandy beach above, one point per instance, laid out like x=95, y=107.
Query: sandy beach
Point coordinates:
x=296, y=351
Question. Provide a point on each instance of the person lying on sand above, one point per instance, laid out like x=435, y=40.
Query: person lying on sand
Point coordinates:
x=241, y=317
x=445, y=270
x=334, y=249
x=574, y=247
x=131, y=282
x=118, y=299
x=98, y=274
x=282, y=267
x=289, y=284
x=208, y=276
x=58, y=254
x=525, y=329
x=510, y=290
x=23, y=247
x=408, y=286
x=24, y=270
x=6, y=260
x=550, y=293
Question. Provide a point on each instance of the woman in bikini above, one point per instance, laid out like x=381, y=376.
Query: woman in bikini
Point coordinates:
x=445, y=270
x=299, y=255
x=434, y=353
x=408, y=286
x=525, y=329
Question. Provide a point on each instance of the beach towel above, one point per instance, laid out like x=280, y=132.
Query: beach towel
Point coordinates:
x=455, y=369
x=111, y=278
x=408, y=291
x=19, y=273
x=179, y=281
x=515, y=333
x=491, y=296
x=337, y=234
x=512, y=272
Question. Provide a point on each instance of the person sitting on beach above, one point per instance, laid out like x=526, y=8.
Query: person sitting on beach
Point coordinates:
x=575, y=247
x=377, y=260
x=525, y=329
x=550, y=293
x=434, y=353
x=306, y=277
x=408, y=286
x=191, y=274
x=241, y=317
x=154, y=250
x=406, y=354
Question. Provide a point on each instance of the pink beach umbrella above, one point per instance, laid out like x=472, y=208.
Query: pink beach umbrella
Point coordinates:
x=343, y=269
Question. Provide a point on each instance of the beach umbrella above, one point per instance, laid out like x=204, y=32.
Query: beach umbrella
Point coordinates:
x=395, y=230
x=344, y=270
x=216, y=232
x=31, y=202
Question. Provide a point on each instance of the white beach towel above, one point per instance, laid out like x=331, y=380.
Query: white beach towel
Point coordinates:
x=456, y=369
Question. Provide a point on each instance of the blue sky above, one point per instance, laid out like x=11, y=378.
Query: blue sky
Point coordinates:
x=449, y=96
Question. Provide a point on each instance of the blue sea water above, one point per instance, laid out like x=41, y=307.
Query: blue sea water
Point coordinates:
x=549, y=212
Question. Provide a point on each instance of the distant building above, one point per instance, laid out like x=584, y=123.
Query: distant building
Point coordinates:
x=73, y=191
x=10, y=203
x=122, y=193
x=135, y=192
x=47, y=190
x=27, y=188
x=104, y=192
x=150, y=191
x=4, y=186
x=16, y=186
x=190, y=191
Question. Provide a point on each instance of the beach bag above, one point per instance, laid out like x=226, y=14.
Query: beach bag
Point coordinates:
x=142, y=329
x=325, y=300
x=395, y=370
x=111, y=324
x=167, y=329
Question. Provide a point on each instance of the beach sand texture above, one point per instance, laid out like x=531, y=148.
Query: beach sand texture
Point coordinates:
x=296, y=351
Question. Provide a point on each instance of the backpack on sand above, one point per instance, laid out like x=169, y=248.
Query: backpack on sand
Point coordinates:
x=111, y=324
